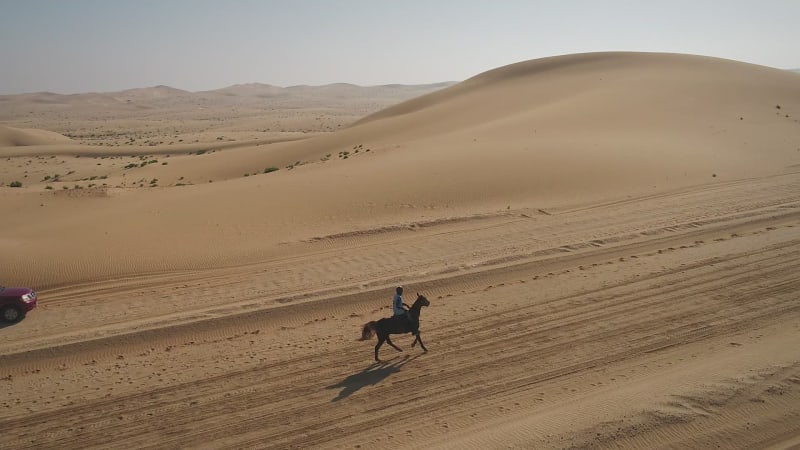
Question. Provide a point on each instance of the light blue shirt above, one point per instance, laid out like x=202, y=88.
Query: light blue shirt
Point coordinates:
x=397, y=305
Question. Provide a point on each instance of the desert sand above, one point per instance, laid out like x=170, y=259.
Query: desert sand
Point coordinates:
x=609, y=243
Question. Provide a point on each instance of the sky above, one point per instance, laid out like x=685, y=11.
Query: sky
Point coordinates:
x=72, y=46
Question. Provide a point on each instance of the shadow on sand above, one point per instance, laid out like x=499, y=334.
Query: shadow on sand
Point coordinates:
x=372, y=375
x=6, y=324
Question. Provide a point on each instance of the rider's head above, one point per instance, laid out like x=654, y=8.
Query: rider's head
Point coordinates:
x=399, y=290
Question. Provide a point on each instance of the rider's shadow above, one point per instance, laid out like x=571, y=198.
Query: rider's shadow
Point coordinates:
x=372, y=375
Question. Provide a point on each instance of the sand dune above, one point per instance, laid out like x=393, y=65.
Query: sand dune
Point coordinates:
x=608, y=241
x=16, y=137
x=547, y=134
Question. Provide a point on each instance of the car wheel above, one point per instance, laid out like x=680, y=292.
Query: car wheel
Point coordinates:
x=11, y=314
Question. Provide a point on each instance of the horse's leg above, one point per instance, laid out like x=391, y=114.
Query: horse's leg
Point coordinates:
x=389, y=341
x=381, y=338
x=419, y=339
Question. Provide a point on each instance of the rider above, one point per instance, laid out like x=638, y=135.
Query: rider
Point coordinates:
x=400, y=309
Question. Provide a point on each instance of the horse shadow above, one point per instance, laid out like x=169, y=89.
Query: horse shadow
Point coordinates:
x=370, y=376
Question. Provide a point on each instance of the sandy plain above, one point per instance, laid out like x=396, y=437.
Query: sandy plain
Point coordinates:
x=609, y=243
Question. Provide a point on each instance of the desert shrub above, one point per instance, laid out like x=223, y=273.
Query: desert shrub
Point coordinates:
x=16, y=184
x=270, y=169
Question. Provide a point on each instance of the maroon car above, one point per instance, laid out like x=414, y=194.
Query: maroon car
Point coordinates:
x=15, y=302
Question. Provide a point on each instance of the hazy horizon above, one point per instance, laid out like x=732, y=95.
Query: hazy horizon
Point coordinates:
x=231, y=86
x=103, y=46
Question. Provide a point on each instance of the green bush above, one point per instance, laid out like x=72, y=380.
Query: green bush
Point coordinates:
x=16, y=184
x=270, y=169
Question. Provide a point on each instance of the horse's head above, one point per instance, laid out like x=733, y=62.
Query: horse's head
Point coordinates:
x=422, y=300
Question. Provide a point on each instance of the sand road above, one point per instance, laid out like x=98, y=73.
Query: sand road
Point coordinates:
x=670, y=320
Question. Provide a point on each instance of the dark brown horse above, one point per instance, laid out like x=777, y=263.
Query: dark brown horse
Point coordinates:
x=396, y=325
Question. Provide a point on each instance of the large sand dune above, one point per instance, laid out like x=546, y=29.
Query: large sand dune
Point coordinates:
x=608, y=242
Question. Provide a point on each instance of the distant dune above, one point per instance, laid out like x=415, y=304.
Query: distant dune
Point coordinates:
x=178, y=97
x=16, y=137
x=163, y=115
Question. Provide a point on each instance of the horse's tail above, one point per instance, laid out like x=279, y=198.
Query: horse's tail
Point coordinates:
x=368, y=330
